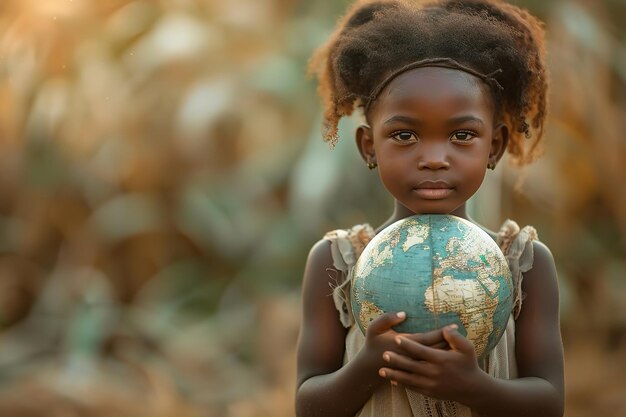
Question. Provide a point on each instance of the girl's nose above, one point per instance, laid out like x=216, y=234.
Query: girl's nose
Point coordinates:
x=433, y=157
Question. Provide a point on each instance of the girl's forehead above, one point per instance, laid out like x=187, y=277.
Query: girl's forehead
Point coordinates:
x=436, y=85
x=434, y=78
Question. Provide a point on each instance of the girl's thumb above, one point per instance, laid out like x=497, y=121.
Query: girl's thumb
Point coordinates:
x=385, y=322
x=456, y=339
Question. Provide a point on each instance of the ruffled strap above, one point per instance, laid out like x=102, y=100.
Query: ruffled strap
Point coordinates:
x=517, y=246
x=346, y=245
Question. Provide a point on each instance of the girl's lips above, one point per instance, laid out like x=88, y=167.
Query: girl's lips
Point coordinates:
x=433, y=190
x=433, y=193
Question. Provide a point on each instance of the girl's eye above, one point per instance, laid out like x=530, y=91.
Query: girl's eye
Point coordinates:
x=463, y=136
x=404, y=137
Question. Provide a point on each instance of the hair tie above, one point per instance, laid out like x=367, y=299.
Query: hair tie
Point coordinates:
x=433, y=62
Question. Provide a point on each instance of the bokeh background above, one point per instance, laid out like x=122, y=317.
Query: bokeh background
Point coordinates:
x=162, y=178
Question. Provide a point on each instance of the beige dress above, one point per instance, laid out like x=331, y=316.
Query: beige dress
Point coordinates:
x=397, y=401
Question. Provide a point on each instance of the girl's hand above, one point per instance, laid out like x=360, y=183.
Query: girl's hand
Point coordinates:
x=380, y=337
x=444, y=374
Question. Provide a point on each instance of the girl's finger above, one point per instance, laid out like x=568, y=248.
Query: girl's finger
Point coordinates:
x=418, y=383
x=457, y=341
x=429, y=338
x=403, y=363
x=385, y=322
x=441, y=345
x=418, y=351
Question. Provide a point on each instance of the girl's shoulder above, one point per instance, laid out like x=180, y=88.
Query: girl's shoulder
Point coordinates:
x=543, y=261
x=530, y=261
x=517, y=243
x=523, y=243
x=341, y=244
x=328, y=266
x=514, y=240
x=337, y=251
x=346, y=245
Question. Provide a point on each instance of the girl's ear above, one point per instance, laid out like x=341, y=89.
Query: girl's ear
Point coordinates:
x=365, y=144
x=499, y=142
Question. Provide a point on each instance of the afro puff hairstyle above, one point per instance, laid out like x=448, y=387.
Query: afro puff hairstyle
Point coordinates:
x=378, y=37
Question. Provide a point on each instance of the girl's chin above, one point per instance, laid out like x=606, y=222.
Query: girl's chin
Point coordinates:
x=434, y=207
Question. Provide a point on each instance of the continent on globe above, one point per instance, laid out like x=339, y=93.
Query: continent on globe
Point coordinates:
x=439, y=269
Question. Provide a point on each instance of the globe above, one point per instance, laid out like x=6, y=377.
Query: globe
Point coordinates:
x=440, y=270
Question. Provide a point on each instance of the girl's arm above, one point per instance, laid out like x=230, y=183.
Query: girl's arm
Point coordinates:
x=454, y=374
x=539, y=389
x=325, y=387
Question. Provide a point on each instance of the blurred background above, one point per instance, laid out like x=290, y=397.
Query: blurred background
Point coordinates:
x=162, y=178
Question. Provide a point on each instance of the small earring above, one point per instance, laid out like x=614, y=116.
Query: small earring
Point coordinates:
x=371, y=164
x=491, y=166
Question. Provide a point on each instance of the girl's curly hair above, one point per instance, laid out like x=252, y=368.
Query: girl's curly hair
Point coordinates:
x=378, y=37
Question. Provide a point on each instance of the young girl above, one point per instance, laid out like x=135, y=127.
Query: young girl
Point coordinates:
x=445, y=88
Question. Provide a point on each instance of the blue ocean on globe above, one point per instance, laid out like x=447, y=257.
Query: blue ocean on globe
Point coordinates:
x=439, y=269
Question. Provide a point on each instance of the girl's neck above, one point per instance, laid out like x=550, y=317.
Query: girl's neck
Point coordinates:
x=400, y=212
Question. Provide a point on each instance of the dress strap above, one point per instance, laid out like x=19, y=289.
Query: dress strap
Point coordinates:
x=346, y=245
x=517, y=246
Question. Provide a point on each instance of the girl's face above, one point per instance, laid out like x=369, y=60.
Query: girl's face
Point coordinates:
x=432, y=134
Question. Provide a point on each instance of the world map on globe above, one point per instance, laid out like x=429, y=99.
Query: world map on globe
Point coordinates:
x=440, y=270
